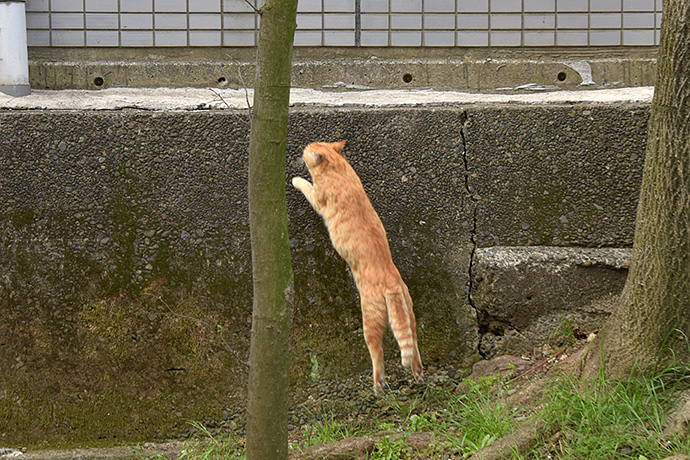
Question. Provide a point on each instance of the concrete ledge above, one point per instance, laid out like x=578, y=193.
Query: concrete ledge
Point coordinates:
x=527, y=296
x=149, y=450
x=187, y=99
x=358, y=68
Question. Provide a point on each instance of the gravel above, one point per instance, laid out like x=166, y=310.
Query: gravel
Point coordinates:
x=350, y=400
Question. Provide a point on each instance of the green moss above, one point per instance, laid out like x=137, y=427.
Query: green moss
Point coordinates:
x=23, y=217
x=125, y=217
x=161, y=262
x=131, y=371
x=337, y=354
x=112, y=418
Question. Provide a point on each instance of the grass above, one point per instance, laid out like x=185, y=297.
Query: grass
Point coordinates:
x=203, y=445
x=613, y=419
x=326, y=430
x=601, y=420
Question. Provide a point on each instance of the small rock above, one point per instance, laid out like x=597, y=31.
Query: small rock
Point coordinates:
x=626, y=450
x=676, y=422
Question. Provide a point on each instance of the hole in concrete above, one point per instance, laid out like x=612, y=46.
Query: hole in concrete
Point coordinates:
x=407, y=78
x=98, y=81
x=222, y=80
x=561, y=76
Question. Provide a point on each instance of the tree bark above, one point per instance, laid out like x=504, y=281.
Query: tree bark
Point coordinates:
x=651, y=323
x=267, y=414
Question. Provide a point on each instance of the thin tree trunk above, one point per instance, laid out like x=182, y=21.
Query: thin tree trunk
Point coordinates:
x=269, y=357
x=652, y=318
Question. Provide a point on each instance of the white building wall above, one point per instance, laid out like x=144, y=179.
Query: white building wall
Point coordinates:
x=366, y=23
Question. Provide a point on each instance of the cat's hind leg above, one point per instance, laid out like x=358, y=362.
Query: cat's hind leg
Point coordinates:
x=374, y=324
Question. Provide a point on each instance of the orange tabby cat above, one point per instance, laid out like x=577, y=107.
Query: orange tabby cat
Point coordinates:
x=359, y=237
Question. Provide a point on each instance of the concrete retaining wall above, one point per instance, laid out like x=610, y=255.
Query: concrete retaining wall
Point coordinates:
x=118, y=227
x=339, y=68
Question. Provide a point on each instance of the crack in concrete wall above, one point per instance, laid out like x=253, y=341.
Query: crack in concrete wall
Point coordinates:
x=473, y=204
x=534, y=171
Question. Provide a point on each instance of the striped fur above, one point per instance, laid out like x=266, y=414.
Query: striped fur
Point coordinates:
x=359, y=237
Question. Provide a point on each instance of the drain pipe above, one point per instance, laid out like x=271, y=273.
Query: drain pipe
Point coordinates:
x=14, y=60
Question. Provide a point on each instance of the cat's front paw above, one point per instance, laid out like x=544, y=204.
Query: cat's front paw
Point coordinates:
x=300, y=184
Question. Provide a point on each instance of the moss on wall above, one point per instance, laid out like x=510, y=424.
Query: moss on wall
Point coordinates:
x=133, y=369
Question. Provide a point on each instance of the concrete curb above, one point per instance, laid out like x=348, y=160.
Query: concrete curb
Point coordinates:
x=167, y=450
x=364, y=68
x=172, y=99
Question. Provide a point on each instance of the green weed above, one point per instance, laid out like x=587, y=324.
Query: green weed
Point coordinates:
x=463, y=423
x=563, y=334
x=325, y=429
x=203, y=445
x=391, y=450
x=612, y=419
x=479, y=416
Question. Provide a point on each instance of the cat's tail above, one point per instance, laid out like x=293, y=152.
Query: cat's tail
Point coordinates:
x=402, y=320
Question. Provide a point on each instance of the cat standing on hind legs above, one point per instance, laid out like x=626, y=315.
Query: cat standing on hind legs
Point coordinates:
x=358, y=235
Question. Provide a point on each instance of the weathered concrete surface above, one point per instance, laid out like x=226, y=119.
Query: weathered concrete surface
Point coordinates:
x=556, y=175
x=170, y=99
x=340, y=68
x=118, y=226
x=115, y=223
x=149, y=450
x=529, y=296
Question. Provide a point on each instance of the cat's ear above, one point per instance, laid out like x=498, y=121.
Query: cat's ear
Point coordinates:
x=315, y=158
x=338, y=146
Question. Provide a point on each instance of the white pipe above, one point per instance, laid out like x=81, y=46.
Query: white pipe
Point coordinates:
x=14, y=60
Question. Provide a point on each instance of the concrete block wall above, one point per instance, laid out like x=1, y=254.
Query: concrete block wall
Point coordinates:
x=347, y=23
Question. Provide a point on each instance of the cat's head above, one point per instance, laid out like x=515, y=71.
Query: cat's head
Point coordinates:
x=319, y=154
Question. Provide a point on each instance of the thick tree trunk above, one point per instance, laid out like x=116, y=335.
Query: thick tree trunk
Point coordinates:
x=272, y=271
x=652, y=318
